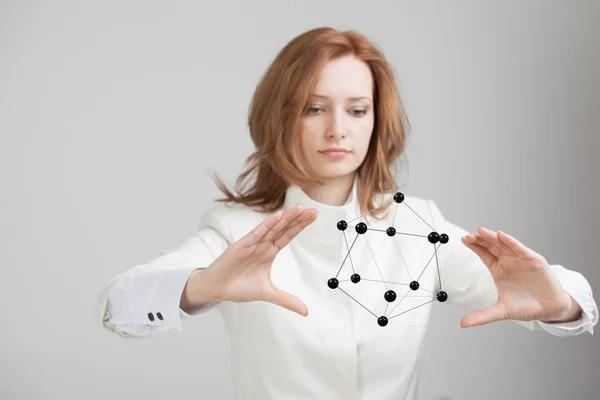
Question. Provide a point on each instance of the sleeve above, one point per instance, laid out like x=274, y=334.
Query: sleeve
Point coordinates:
x=144, y=300
x=467, y=281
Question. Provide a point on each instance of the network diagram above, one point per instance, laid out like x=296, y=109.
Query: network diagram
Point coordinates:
x=390, y=295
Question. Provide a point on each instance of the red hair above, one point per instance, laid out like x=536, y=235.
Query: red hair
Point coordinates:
x=279, y=102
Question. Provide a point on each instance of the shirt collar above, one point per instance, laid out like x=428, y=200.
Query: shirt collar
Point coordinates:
x=323, y=234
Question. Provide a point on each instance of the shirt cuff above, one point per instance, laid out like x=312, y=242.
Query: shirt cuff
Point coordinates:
x=577, y=286
x=150, y=299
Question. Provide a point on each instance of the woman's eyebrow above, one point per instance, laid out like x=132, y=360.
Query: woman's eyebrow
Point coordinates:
x=320, y=96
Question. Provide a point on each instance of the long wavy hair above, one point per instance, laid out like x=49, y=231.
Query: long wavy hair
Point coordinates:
x=279, y=102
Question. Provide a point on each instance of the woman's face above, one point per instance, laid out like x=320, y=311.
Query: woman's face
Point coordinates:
x=337, y=124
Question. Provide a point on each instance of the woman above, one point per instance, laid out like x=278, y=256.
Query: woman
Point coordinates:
x=328, y=126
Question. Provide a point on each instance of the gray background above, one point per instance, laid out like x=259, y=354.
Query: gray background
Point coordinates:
x=111, y=114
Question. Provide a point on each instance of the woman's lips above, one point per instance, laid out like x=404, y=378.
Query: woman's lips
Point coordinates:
x=335, y=153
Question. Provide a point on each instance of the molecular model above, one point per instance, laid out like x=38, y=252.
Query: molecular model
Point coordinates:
x=390, y=295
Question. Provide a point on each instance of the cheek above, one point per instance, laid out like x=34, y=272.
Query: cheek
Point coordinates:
x=309, y=133
x=364, y=135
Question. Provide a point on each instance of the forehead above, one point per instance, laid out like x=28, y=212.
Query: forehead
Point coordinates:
x=345, y=77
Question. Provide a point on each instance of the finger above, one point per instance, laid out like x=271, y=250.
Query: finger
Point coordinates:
x=519, y=248
x=486, y=256
x=298, y=220
x=492, y=237
x=487, y=245
x=306, y=214
x=491, y=247
x=288, y=216
x=287, y=236
x=256, y=234
x=287, y=300
x=491, y=314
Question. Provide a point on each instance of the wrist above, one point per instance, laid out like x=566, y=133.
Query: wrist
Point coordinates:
x=571, y=313
x=198, y=290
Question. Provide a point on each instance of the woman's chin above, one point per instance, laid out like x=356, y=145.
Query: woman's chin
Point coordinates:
x=334, y=174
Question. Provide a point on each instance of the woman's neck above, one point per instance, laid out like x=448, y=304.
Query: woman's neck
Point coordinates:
x=333, y=192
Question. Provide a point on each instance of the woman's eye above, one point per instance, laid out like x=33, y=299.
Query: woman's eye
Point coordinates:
x=313, y=110
x=316, y=110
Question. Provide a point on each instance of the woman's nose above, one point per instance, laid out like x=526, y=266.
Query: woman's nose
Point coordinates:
x=336, y=129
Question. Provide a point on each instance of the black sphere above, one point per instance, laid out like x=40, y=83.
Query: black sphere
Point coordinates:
x=391, y=231
x=390, y=296
x=442, y=296
x=333, y=283
x=414, y=285
x=355, y=278
x=382, y=321
x=342, y=225
x=361, y=228
x=398, y=197
x=433, y=237
x=444, y=238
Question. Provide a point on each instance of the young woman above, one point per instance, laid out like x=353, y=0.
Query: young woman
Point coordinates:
x=317, y=308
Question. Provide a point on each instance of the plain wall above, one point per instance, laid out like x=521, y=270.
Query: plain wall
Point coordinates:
x=112, y=114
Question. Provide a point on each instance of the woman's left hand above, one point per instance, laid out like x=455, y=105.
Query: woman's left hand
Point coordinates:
x=527, y=288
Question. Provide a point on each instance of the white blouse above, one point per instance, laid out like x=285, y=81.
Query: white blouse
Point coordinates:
x=339, y=351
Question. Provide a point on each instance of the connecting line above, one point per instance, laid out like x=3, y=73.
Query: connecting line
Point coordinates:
x=394, y=283
x=438, y=267
x=399, y=301
x=427, y=263
x=367, y=296
x=374, y=260
x=419, y=216
x=346, y=240
x=368, y=212
x=336, y=275
x=412, y=309
x=397, y=233
x=425, y=290
x=337, y=252
x=376, y=251
x=403, y=260
x=359, y=303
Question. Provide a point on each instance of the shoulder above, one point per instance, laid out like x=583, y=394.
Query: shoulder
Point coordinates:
x=232, y=220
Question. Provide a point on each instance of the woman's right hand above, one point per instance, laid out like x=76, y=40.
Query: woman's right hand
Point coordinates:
x=242, y=272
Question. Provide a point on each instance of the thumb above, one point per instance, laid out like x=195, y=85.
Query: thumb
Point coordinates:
x=289, y=301
x=482, y=317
